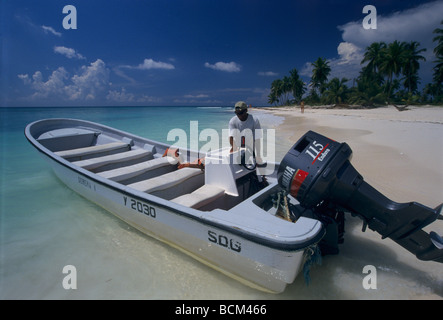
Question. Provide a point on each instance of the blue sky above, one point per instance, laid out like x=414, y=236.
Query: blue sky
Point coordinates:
x=190, y=52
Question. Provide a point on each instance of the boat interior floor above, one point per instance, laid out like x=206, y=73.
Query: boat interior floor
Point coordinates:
x=146, y=170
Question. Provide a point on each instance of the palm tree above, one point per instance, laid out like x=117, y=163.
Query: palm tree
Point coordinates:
x=273, y=99
x=276, y=91
x=438, y=50
x=286, y=89
x=411, y=65
x=367, y=92
x=438, y=73
x=336, y=91
x=297, y=86
x=281, y=88
x=438, y=69
x=320, y=74
x=433, y=90
x=374, y=56
x=392, y=63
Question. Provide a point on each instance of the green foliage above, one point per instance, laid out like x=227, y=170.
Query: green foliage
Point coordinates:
x=282, y=88
x=436, y=89
x=320, y=74
x=336, y=91
x=367, y=93
x=390, y=75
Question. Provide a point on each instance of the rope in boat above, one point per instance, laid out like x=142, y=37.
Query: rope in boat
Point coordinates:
x=313, y=255
x=281, y=203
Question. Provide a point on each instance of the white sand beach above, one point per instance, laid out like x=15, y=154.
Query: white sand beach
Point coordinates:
x=46, y=226
x=400, y=153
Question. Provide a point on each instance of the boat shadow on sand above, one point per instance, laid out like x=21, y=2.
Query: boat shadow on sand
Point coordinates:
x=341, y=276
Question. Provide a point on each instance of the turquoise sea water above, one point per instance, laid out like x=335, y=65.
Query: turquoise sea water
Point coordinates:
x=44, y=226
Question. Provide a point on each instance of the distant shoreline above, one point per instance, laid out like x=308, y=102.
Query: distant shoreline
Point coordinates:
x=412, y=113
x=348, y=107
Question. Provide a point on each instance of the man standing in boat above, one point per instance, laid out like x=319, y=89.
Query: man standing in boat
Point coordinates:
x=245, y=132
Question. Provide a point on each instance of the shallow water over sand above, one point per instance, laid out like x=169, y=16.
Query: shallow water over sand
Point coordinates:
x=46, y=226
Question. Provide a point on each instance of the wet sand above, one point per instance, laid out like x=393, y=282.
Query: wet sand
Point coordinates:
x=401, y=155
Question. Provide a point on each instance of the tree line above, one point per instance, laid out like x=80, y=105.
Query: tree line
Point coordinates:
x=390, y=76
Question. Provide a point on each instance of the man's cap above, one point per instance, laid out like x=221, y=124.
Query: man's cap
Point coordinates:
x=241, y=105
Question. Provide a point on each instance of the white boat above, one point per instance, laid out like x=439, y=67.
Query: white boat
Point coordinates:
x=210, y=214
x=222, y=213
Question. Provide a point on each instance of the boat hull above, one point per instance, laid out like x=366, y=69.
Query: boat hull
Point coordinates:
x=210, y=245
x=265, y=264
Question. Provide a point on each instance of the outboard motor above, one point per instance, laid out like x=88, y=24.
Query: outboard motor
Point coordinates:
x=318, y=173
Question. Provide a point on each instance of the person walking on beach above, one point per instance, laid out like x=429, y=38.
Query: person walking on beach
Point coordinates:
x=245, y=131
x=302, y=107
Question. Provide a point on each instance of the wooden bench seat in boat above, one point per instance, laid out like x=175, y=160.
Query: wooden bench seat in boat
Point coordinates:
x=125, y=173
x=106, y=162
x=177, y=183
x=200, y=197
x=93, y=151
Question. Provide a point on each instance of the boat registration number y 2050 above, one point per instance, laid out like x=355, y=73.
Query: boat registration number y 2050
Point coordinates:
x=140, y=207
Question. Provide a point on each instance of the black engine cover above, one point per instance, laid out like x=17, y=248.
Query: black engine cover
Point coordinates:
x=311, y=166
x=318, y=169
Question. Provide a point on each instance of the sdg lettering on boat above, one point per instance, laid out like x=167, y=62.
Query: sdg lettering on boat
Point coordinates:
x=224, y=241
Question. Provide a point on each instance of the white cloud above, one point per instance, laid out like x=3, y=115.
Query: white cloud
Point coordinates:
x=68, y=52
x=120, y=96
x=198, y=96
x=92, y=81
x=53, y=86
x=349, y=53
x=199, y=101
x=51, y=30
x=90, y=84
x=149, y=64
x=306, y=70
x=124, y=97
x=24, y=19
x=25, y=78
x=348, y=64
x=224, y=66
x=267, y=73
x=118, y=71
x=416, y=24
x=148, y=99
